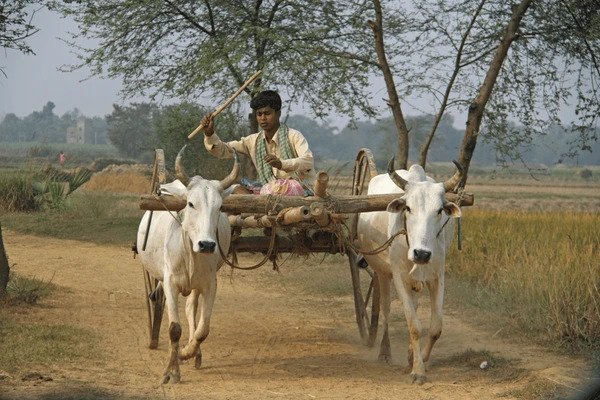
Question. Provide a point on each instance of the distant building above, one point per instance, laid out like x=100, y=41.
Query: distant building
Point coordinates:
x=79, y=133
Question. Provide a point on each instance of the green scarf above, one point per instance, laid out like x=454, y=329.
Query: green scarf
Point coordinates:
x=265, y=171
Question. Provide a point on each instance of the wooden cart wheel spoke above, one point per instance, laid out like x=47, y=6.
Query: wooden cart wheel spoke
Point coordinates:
x=366, y=305
x=156, y=304
x=369, y=292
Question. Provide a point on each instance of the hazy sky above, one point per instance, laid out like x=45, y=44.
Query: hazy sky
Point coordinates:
x=34, y=80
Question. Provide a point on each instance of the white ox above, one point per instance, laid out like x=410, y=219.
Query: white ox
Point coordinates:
x=182, y=252
x=414, y=260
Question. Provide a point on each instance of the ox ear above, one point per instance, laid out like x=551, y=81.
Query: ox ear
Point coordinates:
x=175, y=188
x=396, y=206
x=452, y=210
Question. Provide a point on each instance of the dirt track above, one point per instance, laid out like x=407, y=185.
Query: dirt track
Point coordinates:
x=265, y=343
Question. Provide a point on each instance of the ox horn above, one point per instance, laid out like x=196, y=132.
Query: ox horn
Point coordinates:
x=451, y=183
x=397, y=179
x=232, y=177
x=179, y=170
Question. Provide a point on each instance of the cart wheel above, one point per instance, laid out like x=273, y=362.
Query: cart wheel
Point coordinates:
x=155, y=299
x=159, y=171
x=155, y=302
x=364, y=280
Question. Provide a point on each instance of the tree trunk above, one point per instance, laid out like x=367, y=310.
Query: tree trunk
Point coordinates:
x=393, y=101
x=4, y=267
x=478, y=105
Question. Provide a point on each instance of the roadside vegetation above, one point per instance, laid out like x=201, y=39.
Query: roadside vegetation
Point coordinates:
x=538, y=271
x=27, y=340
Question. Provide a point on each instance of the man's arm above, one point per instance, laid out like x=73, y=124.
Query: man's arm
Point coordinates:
x=304, y=162
x=215, y=146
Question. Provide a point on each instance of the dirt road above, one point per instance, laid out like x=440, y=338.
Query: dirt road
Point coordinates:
x=266, y=342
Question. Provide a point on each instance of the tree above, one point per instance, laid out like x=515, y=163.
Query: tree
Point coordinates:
x=503, y=62
x=16, y=24
x=498, y=61
x=174, y=122
x=10, y=128
x=314, y=52
x=131, y=128
x=44, y=125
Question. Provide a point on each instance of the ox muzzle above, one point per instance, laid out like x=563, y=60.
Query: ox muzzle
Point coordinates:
x=206, y=246
x=421, y=256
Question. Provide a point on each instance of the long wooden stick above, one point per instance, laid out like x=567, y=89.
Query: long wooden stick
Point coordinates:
x=226, y=104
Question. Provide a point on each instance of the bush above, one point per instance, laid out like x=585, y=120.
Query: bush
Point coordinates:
x=40, y=150
x=25, y=290
x=52, y=185
x=585, y=174
x=16, y=192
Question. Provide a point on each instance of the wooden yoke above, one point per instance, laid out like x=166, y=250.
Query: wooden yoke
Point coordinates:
x=257, y=204
x=226, y=104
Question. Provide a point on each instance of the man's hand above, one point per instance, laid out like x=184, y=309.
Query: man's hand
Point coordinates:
x=208, y=124
x=273, y=161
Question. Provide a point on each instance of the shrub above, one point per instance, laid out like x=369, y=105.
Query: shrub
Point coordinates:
x=54, y=185
x=585, y=173
x=16, y=192
x=21, y=289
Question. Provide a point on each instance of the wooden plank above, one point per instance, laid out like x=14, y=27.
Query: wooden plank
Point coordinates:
x=269, y=204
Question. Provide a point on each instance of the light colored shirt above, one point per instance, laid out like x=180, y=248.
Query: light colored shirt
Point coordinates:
x=302, y=165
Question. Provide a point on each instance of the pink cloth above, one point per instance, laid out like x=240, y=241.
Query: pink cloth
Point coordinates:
x=287, y=187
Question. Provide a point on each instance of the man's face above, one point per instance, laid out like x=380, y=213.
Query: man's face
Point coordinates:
x=268, y=119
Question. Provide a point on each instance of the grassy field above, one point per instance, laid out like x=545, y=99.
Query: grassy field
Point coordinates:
x=16, y=155
x=535, y=268
x=540, y=271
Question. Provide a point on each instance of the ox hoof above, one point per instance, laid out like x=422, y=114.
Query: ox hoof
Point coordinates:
x=171, y=377
x=418, y=379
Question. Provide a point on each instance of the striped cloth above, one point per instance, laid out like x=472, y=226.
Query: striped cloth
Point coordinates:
x=264, y=170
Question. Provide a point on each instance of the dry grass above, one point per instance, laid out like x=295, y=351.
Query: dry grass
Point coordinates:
x=119, y=182
x=540, y=269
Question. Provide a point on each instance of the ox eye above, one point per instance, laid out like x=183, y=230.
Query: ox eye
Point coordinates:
x=440, y=211
x=190, y=204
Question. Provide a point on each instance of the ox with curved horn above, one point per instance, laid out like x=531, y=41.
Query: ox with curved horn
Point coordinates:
x=423, y=213
x=182, y=253
x=224, y=183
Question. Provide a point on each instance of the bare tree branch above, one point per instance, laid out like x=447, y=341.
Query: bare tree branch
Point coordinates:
x=393, y=101
x=457, y=67
x=477, y=107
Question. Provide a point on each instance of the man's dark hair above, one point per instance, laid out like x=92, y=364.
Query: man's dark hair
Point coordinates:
x=266, y=98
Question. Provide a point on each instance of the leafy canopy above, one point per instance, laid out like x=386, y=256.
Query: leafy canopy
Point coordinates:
x=317, y=52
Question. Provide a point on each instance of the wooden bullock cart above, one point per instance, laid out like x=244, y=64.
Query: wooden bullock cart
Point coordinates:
x=322, y=223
